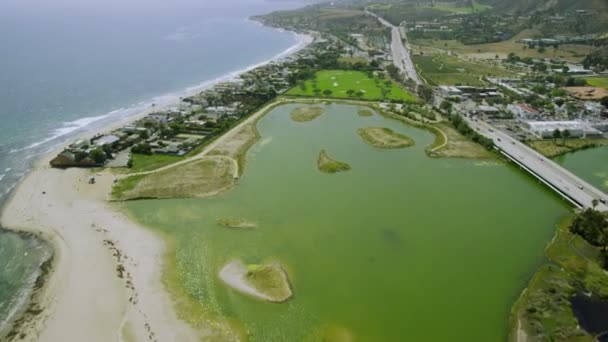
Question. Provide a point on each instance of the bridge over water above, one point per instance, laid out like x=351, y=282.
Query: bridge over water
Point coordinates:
x=568, y=185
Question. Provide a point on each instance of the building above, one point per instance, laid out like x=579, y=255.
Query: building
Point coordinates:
x=106, y=140
x=523, y=111
x=487, y=110
x=450, y=91
x=546, y=129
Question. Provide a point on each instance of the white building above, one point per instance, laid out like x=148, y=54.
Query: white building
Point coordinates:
x=577, y=129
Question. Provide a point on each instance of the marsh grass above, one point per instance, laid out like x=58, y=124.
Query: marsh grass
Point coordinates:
x=544, y=308
x=198, y=178
x=236, y=223
x=381, y=137
x=271, y=280
x=329, y=165
x=307, y=113
x=365, y=112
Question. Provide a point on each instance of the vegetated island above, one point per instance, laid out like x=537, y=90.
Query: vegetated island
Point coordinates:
x=236, y=223
x=329, y=165
x=267, y=282
x=365, y=112
x=305, y=114
x=382, y=137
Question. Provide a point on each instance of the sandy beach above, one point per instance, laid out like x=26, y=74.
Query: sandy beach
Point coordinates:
x=105, y=281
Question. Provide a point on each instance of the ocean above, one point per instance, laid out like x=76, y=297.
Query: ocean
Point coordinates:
x=72, y=66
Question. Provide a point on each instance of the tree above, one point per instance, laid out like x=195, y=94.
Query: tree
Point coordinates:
x=425, y=92
x=99, y=156
x=556, y=134
x=565, y=135
x=565, y=69
x=350, y=92
x=446, y=106
x=327, y=92
x=595, y=202
x=80, y=156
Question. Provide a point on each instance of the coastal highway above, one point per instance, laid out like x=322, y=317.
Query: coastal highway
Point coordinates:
x=573, y=188
x=401, y=54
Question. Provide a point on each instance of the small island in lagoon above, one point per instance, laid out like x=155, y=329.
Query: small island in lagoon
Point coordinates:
x=268, y=282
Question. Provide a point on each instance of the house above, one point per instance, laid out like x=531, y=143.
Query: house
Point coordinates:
x=523, y=111
x=106, y=140
x=68, y=158
x=79, y=144
x=161, y=118
x=487, y=110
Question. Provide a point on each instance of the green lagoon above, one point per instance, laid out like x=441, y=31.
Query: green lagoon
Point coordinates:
x=591, y=165
x=402, y=247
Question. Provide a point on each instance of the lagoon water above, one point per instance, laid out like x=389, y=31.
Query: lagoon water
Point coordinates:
x=402, y=247
x=591, y=165
x=70, y=66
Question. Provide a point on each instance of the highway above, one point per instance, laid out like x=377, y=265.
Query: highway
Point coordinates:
x=401, y=54
x=573, y=188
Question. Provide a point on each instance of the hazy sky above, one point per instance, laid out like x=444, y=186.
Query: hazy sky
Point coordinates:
x=92, y=6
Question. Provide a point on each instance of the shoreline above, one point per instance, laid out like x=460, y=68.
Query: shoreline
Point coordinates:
x=132, y=288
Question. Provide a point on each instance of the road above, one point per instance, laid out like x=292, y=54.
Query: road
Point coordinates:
x=577, y=191
x=401, y=53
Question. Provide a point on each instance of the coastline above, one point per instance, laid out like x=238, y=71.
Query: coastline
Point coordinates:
x=106, y=270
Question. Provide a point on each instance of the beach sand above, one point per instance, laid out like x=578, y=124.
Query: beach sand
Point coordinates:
x=105, y=284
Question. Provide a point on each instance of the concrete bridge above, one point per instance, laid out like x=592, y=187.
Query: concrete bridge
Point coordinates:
x=571, y=187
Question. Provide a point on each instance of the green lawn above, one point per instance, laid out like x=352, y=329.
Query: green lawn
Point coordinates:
x=143, y=162
x=601, y=82
x=449, y=70
x=339, y=82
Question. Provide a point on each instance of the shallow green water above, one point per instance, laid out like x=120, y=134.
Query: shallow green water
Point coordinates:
x=402, y=247
x=591, y=165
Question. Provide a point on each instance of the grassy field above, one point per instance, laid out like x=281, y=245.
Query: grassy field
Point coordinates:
x=601, y=82
x=442, y=69
x=351, y=84
x=353, y=60
x=142, y=162
x=543, y=311
x=381, y=137
x=327, y=164
x=550, y=148
x=458, y=146
x=197, y=178
x=574, y=53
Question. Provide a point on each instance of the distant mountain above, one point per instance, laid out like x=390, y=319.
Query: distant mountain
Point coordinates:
x=560, y=6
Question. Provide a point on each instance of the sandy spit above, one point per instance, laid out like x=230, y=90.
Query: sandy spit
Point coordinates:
x=105, y=284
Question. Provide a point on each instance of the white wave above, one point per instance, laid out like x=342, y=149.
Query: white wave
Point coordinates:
x=67, y=128
x=2, y=176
